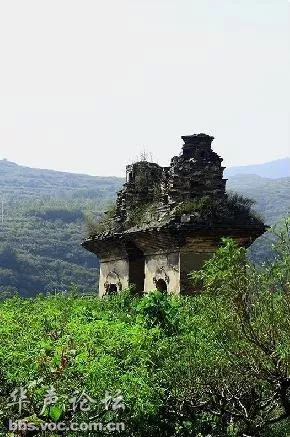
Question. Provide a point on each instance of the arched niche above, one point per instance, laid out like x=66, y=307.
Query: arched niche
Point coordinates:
x=161, y=286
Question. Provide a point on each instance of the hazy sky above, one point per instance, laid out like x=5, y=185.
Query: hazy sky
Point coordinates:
x=86, y=85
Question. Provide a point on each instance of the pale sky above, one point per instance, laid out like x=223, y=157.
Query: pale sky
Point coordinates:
x=86, y=85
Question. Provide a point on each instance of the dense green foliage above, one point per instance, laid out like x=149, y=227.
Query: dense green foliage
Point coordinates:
x=44, y=223
x=235, y=209
x=216, y=364
x=40, y=249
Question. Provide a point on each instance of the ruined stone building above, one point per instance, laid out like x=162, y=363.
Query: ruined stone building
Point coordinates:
x=168, y=221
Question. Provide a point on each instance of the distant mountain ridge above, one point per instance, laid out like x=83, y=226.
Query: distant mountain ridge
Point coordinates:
x=272, y=196
x=17, y=179
x=279, y=168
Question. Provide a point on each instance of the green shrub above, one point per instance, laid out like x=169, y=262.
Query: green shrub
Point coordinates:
x=157, y=310
x=216, y=364
x=233, y=208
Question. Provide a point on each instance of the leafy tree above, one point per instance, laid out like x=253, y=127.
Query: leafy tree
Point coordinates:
x=249, y=311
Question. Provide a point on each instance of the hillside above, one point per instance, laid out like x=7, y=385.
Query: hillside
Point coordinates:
x=44, y=218
x=43, y=225
x=26, y=182
x=272, y=197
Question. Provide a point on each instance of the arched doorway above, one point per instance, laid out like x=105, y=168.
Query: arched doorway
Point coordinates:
x=161, y=285
x=136, y=267
x=112, y=289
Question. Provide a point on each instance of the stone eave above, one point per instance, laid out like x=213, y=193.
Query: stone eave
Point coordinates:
x=173, y=234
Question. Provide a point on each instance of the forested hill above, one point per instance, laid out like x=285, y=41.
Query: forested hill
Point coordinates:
x=26, y=182
x=272, y=196
x=44, y=214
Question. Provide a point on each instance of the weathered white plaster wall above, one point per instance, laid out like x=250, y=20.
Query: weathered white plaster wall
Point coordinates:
x=162, y=266
x=114, y=272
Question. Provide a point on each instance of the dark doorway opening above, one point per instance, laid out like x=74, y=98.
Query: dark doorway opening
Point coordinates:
x=112, y=289
x=136, y=267
x=161, y=286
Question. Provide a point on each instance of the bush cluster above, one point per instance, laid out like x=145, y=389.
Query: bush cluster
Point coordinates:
x=213, y=365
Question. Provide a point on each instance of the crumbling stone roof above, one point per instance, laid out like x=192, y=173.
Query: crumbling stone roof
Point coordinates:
x=188, y=196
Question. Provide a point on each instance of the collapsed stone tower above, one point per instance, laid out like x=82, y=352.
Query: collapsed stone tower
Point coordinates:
x=197, y=172
x=168, y=221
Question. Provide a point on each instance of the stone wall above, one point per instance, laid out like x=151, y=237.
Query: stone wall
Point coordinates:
x=195, y=173
x=157, y=267
x=144, y=184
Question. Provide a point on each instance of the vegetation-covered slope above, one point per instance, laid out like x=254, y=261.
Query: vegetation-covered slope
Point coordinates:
x=217, y=364
x=43, y=225
x=272, y=198
x=25, y=182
